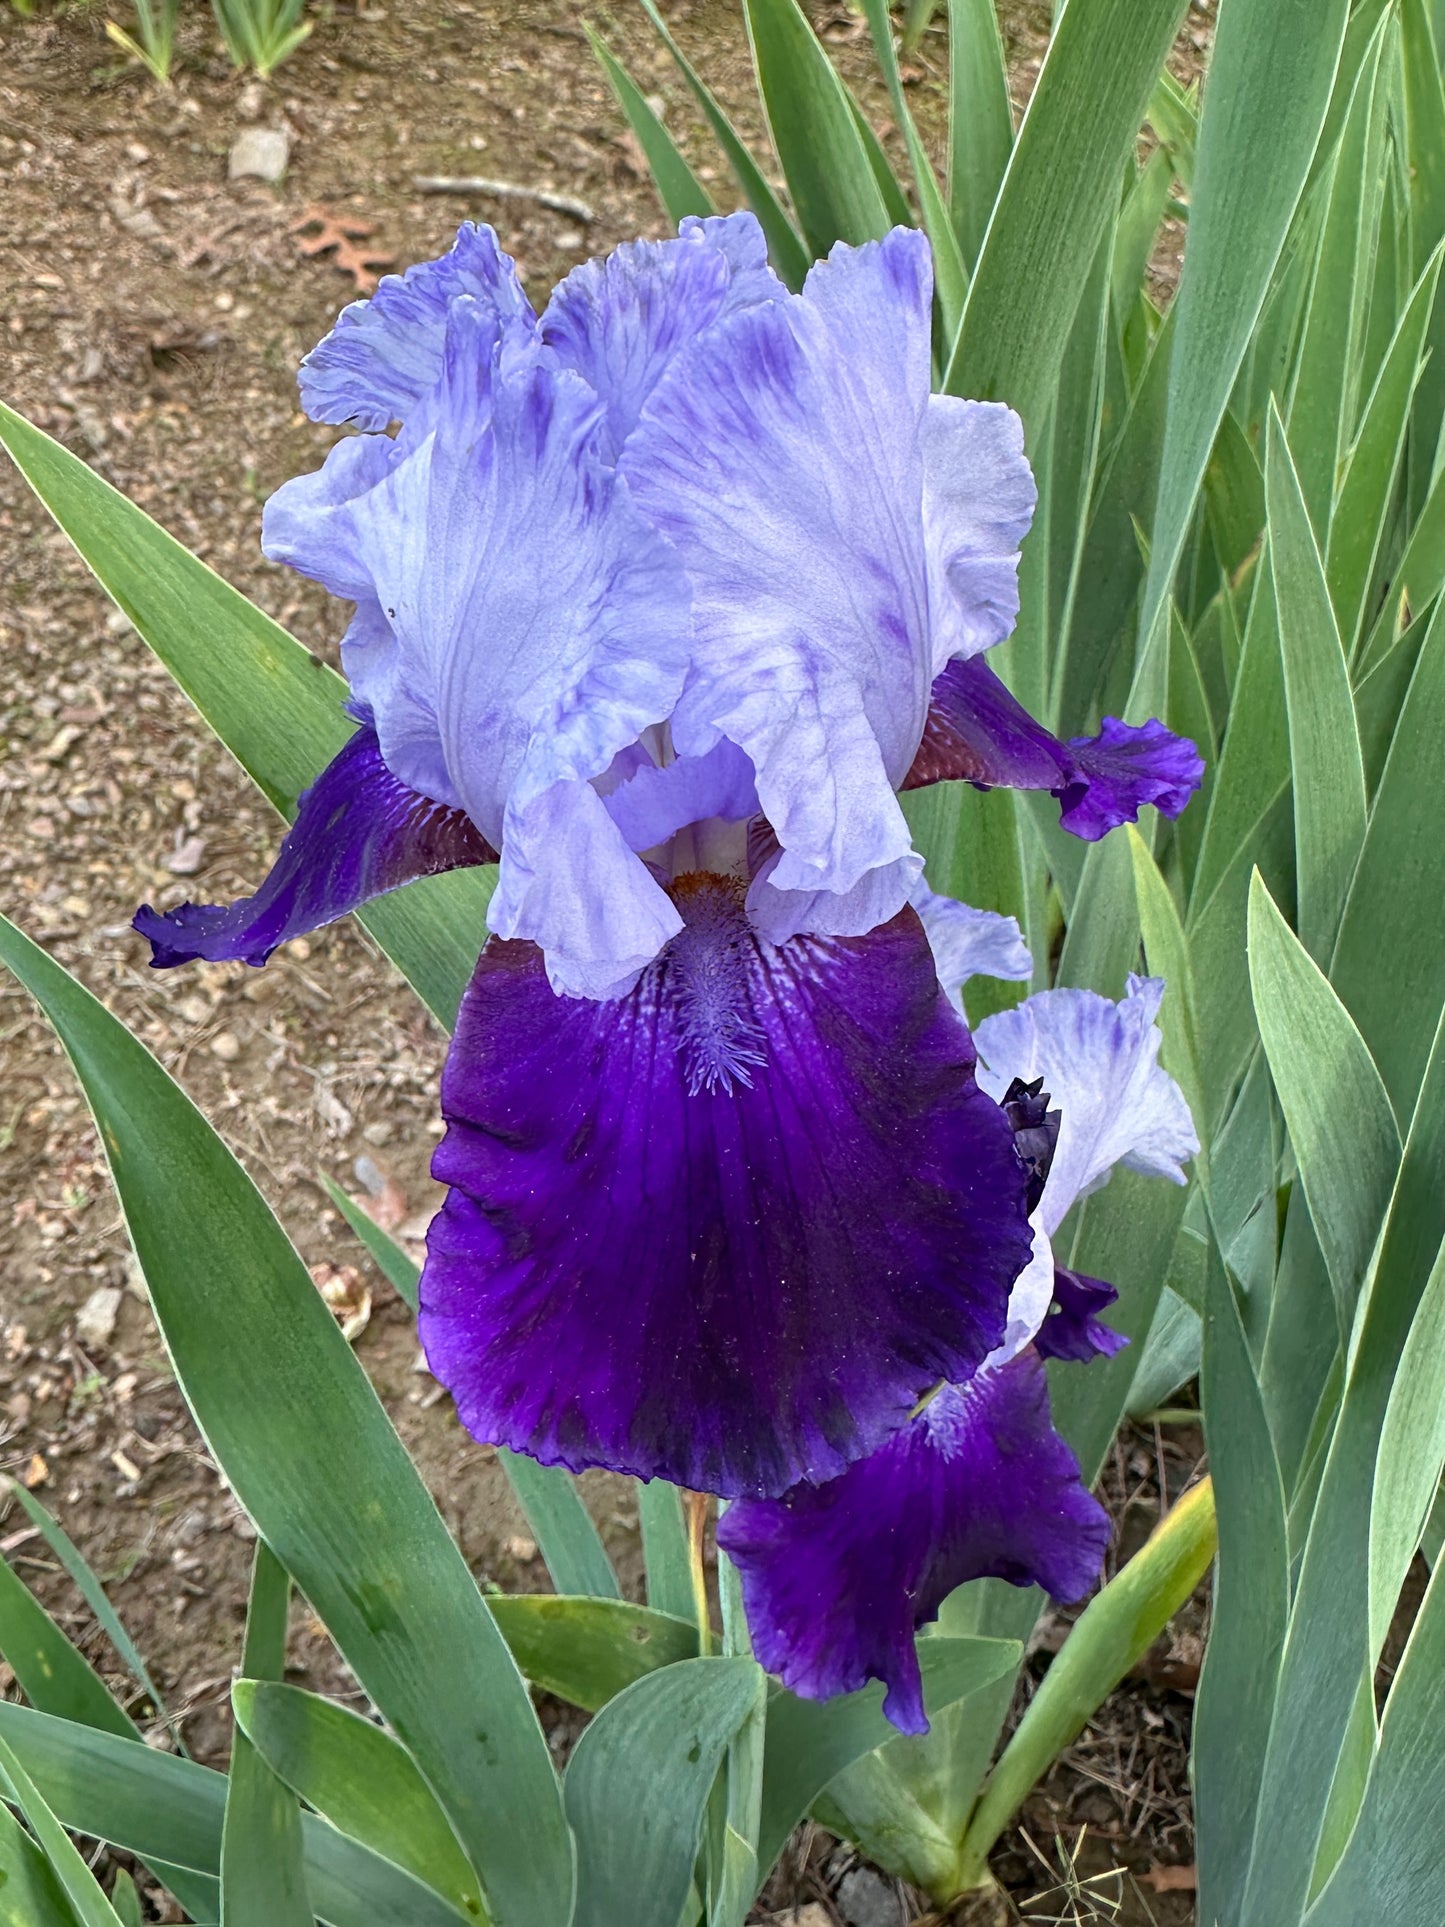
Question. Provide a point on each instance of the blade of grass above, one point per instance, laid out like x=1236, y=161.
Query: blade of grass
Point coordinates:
x=678, y=188
x=1271, y=76
x=825, y=162
x=262, y=1882
x=789, y=256
x=1059, y=193
x=980, y=120
x=273, y=1385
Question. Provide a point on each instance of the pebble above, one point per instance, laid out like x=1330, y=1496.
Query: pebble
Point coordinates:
x=226, y=1046
x=95, y=1321
x=866, y=1899
x=259, y=153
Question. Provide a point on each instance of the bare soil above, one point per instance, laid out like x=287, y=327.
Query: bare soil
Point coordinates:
x=154, y=313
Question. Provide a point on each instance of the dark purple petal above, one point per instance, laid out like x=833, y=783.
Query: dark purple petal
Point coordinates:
x=727, y=1229
x=1072, y=1330
x=978, y=733
x=1124, y=767
x=359, y=832
x=837, y=1578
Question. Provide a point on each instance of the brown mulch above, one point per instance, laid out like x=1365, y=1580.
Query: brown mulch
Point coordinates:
x=153, y=313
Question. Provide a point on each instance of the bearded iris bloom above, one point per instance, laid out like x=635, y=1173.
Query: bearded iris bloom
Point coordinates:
x=661, y=599
x=837, y=1578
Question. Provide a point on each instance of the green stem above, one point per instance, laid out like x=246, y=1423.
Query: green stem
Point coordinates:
x=1112, y=1634
x=696, y=1506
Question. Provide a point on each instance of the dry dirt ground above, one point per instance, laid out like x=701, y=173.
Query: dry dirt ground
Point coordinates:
x=153, y=315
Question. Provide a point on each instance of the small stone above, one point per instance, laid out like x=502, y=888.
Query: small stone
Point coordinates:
x=815, y=1914
x=259, y=153
x=95, y=1321
x=866, y=1899
x=379, y=1133
x=524, y=1551
x=186, y=858
x=61, y=743
x=195, y=1008
x=252, y=103
x=226, y=1046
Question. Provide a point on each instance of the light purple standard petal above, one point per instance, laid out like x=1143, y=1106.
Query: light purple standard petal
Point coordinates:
x=837, y=1578
x=385, y=354
x=358, y=833
x=978, y=502
x=783, y=455
x=979, y=733
x=1099, y=1062
x=619, y=321
x=970, y=943
x=523, y=626
x=725, y=1230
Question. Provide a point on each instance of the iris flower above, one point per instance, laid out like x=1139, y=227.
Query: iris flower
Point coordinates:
x=837, y=1578
x=662, y=596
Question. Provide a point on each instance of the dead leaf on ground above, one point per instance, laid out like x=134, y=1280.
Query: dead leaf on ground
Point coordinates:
x=36, y=1473
x=348, y=1296
x=344, y=237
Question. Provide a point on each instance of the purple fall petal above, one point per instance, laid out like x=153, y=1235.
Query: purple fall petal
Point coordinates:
x=1071, y=1330
x=977, y=732
x=1123, y=767
x=358, y=833
x=728, y=1228
x=837, y=1578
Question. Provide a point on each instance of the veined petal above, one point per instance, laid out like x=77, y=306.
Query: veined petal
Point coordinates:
x=619, y=321
x=783, y=454
x=385, y=354
x=1099, y=1061
x=358, y=833
x=979, y=733
x=978, y=502
x=970, y=943
x=725, y=1230
x=1124, y=767
x=522, y=625
x=529, y=599
x=837, y=1578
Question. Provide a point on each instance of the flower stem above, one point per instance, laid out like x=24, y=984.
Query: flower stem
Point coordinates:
x=1113, y=1632
x=695, y=1505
